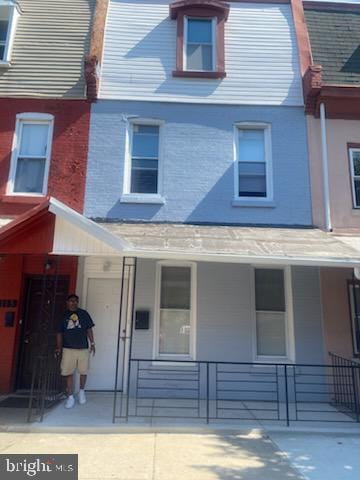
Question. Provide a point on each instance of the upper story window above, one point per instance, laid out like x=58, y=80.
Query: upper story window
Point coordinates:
x=199, y=44
x=142, y=176
x=200, y=50
x=253, y=170
x=8, y=17
x=31, y=154
x=354, y=154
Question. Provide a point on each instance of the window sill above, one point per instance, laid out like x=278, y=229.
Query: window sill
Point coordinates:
x=193, y=74
x=23, y=198
x=237, y=202
x=151, y=199
x=174, y=363
x=5, y=64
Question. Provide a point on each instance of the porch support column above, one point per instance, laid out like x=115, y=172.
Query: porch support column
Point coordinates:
x=125, y=329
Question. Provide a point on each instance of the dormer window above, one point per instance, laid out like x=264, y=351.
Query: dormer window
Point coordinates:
x=8, y=18
x=200, y=38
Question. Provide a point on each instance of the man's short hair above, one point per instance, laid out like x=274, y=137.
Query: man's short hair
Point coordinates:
x=72, y=295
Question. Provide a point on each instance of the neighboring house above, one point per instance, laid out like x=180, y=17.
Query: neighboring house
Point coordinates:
x=332, y=97
x=44, y=124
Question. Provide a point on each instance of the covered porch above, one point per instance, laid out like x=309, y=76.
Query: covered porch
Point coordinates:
x=209, y=323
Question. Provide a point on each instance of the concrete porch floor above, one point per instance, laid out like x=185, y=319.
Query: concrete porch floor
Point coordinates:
x=98, y=412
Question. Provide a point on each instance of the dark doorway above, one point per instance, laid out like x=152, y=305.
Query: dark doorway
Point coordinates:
x=45, y=298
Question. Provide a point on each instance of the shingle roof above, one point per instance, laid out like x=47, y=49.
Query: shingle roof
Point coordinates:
x=335, y=43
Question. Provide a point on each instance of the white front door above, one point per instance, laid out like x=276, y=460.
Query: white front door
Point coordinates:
x=103, y=304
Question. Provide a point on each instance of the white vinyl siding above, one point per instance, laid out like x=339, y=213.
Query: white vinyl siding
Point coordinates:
x=31, y=156
x=355, y=175
x=261, y=57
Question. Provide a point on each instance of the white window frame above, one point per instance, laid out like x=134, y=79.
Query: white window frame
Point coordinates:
x=353, y=176
x=35, y=119
x=128, y=196
x=351, y=287
x=249, y=201
x=289, y=317
x=193, y=310
x=9, y=42
x=214, y=42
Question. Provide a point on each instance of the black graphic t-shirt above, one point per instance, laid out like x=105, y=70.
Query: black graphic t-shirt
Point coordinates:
x=73, y=326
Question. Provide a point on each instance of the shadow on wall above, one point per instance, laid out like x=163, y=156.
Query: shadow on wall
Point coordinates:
x=167, y=58
x=352, y=65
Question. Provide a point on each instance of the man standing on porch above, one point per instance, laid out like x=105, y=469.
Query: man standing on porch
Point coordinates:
x=75, y=328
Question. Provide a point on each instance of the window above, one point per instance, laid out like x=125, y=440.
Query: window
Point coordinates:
x=31, y=154
x=272, y=329
x=354, y=154
x=354, y=294
x=200, y=50
x=175, y=330
x=8, y=18
x=144, y=175
x=253, y=163
x=199, y=44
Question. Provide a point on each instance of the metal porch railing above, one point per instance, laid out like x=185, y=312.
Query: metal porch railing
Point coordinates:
x=46, y=386
x=225, y=391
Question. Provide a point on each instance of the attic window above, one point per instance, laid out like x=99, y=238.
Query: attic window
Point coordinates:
x=200, y=49
x=8, y=18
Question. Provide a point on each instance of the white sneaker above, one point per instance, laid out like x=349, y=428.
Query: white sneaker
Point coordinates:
x=70, y=401
x=82, y=397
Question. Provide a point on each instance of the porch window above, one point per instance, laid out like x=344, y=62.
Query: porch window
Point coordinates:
x=253, y=175
x=354, y=154
x=31, y=154
x=354, y=291
x=175, y=312
x=270, y=312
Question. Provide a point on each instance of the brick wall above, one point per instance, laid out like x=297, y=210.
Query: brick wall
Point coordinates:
x=69, y=150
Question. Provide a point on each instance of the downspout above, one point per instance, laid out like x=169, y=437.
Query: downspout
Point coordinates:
x=325, y=168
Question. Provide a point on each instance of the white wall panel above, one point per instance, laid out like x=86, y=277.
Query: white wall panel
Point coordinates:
x=260, y=53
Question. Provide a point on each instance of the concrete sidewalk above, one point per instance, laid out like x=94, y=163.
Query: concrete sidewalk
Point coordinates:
x=162, y=456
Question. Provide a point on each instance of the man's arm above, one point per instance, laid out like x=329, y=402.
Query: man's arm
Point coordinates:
x=90, y=335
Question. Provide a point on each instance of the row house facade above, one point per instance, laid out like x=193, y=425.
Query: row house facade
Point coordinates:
x=190, y=216
x=44, y=123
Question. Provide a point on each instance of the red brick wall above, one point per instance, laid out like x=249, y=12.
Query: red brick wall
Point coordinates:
x=69, y=149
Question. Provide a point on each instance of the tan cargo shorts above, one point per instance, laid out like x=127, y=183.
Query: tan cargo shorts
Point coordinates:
x=72, y=359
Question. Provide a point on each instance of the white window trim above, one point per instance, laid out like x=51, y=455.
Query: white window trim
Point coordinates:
x=352, y=314
x=214, y=42
x=255, y=201
x=30, y=118
x=13, y=19
x=193, y=311
x=151, y=198
x=289, y=317
x=353, y=176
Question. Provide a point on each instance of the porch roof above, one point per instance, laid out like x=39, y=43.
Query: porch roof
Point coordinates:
x=236, y=244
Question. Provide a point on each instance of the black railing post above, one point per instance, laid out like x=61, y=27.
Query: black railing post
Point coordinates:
x=286, y=396
x=355, y=385
x=207, y=393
